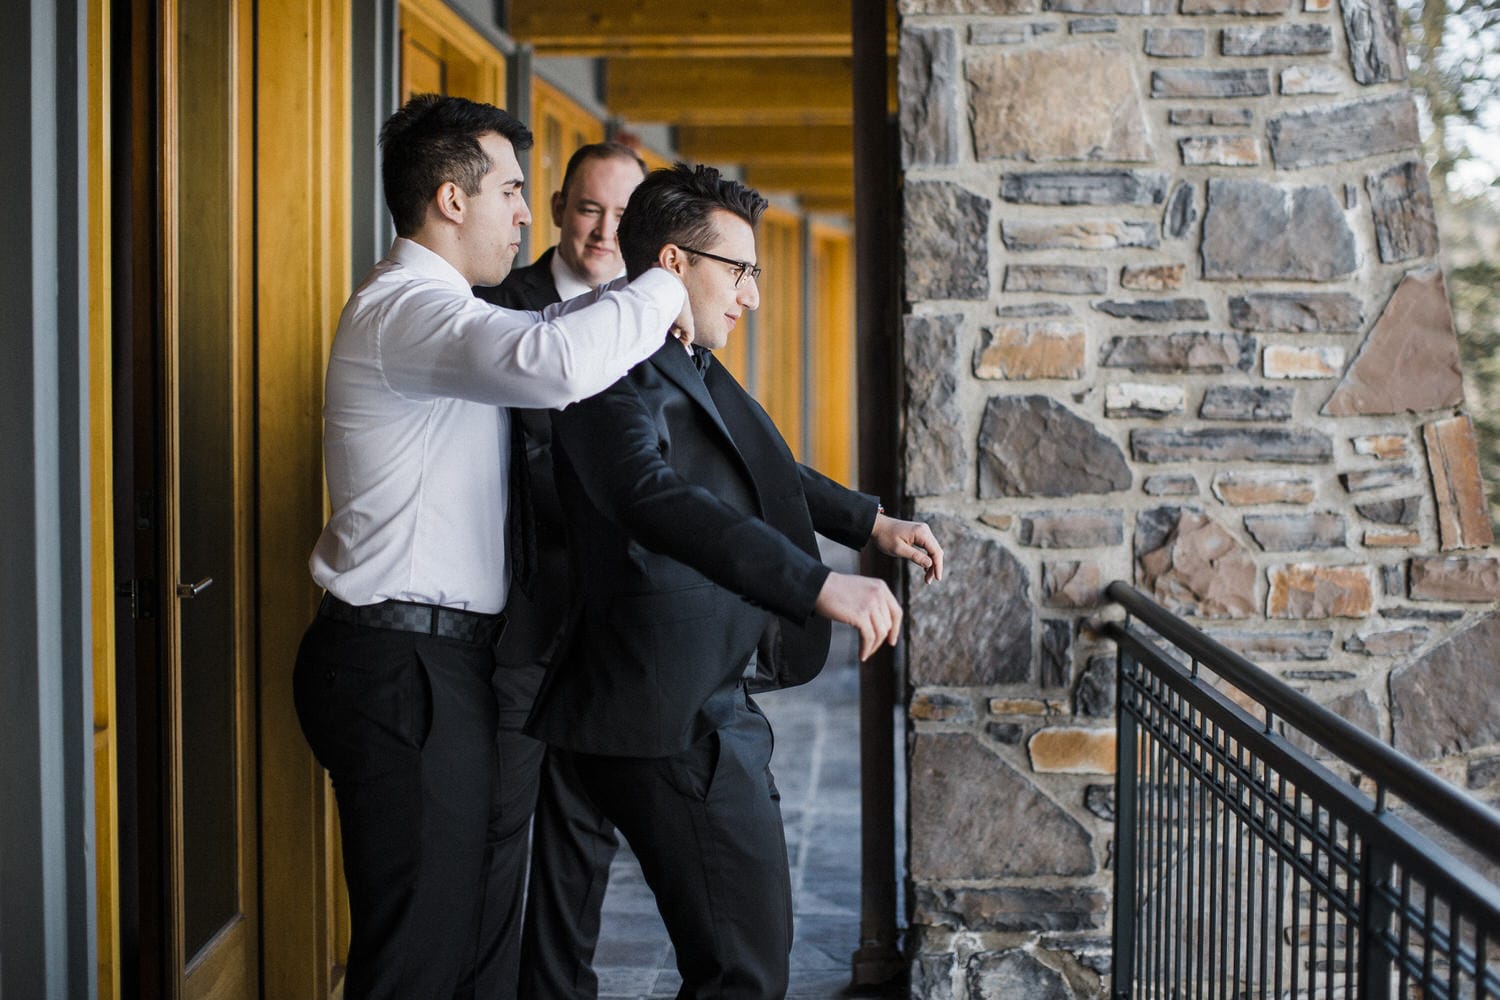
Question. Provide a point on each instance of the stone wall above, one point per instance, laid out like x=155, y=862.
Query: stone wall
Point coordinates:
x=1173, y=317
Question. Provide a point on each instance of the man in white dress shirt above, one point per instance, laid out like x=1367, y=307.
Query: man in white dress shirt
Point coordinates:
x=393, y=679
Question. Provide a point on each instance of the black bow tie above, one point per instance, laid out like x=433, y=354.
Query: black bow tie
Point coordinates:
x=702, y=358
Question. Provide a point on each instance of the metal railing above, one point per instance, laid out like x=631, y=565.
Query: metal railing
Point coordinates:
x=1246, y=868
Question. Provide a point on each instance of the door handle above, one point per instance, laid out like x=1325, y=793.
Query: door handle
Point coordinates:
x=191, y=590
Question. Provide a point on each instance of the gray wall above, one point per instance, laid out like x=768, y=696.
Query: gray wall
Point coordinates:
x=46, y=789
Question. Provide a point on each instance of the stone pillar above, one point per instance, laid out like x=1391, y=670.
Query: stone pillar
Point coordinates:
x=1173, y=316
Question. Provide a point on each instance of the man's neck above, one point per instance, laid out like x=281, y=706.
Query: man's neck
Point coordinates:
x=569, y=282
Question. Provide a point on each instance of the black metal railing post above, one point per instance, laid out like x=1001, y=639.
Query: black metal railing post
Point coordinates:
x=1127, y=751
x=1374, y=924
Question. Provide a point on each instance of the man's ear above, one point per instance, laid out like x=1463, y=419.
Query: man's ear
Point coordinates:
x=558, y=204
x=673, y=258
x=451, y=202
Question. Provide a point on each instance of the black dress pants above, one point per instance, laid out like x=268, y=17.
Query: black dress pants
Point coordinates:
x=572, y=845
x=706, y=826
x=405, y=725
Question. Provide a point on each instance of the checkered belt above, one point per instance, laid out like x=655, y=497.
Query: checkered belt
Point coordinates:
x=407, y=616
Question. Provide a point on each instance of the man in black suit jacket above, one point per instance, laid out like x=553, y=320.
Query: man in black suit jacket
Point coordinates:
x=549, y=955
x=697, y=581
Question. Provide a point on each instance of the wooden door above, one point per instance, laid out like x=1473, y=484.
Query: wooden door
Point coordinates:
x=189, y=849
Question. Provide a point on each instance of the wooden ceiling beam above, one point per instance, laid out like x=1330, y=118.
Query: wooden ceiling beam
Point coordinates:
x=666, y=28
x=773, y=177
x=820, y=144
x=730, y=91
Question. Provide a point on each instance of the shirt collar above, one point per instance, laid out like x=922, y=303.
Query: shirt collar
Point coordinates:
x=569, y=284
x=425, y=263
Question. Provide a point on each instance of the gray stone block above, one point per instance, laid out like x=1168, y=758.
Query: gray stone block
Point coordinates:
x=1268, y=231
x=937, y=450
x=1094, y=696
x=1156, y=310
x=1276, y=647
x=1033, y=309
x=1100, y=800
x=975, y=816
x=927, y=84
x=993, y=33
x=1377, y=51
x=1085, y=187
x=946, y=236
x=1087, y=234
x=1171, y=484
x=1297, y=532
x=1012, y=909
x=1402, y=510
x=1033, y=446
x=1176, y=43
x=1433, y=699
x=1401, y=202
x=1056, y=662
x=1072, y=529
x=1210, y=83
x=979, y=631
x=1093, y=26
x=1181, y=213
x=1297, y=312
x=1216, y=444
x=1319, y=675
x=1009, y=733
x=1344, y=132
x=1128, y=7
x=1180, y=352
x=1060, y=279
x=1247, y=402
x=1391, y=642
x=1277, y=40
x=1016, y=973
x=1421, y=614
x=1362, y=480
x=1229, y=117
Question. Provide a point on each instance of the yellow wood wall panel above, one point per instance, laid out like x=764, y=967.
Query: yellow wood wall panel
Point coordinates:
x=831, y=406
x=302, y=252
x=778, y=341
x=560, y=125
x=101, y=505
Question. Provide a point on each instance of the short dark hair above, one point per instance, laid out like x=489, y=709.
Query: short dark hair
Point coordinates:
x=674, y=205
x=434, y=139
x=598, y=151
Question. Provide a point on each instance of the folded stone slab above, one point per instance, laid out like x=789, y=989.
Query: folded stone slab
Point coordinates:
x=1269, y=231
x=1444, y=702
x=1344, y=132
x=1033, y=446
x=1296, y=312
x=1225, y=444
x=1085, y=187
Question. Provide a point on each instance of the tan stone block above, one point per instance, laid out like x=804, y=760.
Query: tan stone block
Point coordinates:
x=1201, y=569
x=1410, y=359
x=1024, y=706
x=1152, y=277
x=1381, y=445
x=1314, y=79
x=1392, y=539
x=1455, y=578
x=1220, y=150
x=940, y=706
x=1031, y=350
x=1072, y=584
x=1012, y=105
x=1247, y=489
x=1317, y=6
x=1283, y=361
x=1453, y=459
x=1308, y=590
x=1001, y=521
x=1073, y=751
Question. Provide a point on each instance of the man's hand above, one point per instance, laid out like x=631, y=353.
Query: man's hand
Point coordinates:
x=864, y=602
x=910, y=540
x=682, y=326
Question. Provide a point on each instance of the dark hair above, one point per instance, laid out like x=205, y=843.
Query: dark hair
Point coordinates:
x=675, y=205
x=598, y=151
x=434, y=139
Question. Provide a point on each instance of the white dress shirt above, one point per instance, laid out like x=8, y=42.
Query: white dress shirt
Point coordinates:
x=416, y=437
x=566, y=280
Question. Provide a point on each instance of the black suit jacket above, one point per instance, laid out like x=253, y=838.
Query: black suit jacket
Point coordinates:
x=534, y=623
x=691, y=533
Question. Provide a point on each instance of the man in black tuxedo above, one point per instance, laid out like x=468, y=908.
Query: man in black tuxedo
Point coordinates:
x=549, y=955
x=697, y=581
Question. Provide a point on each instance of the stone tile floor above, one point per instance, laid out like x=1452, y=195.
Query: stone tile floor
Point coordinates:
x=816, y=764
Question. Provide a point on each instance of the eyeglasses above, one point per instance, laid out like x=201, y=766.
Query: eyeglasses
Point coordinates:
x=741, y=267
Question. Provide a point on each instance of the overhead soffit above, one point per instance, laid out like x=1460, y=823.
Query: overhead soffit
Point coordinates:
x=766, y=84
